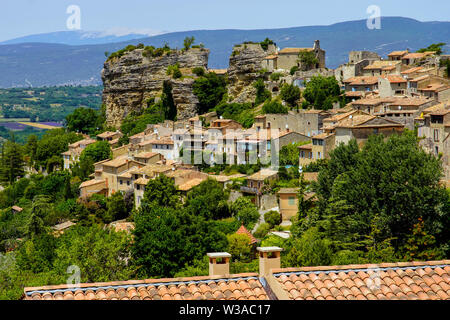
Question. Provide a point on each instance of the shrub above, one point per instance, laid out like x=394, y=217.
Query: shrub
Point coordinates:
x=293, y=70
x=274, y=107
x=262, y=94
x=262, y=230
x=199, y=71
x=290, y=94
x=239, y=246
x=276, y=76
x=273, y=218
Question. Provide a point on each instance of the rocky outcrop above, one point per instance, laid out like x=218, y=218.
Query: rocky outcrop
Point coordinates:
x=245, y=67
x=184, y=98
x=129, y=81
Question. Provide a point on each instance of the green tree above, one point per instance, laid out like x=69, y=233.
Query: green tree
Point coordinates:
x=209, y=90
x=290, y=94
x=239, y=247
x=101, y=255
x=262, y=230
x=188, y=42
x=310, y=250
x=307, y=59
x=12, y=163
x=40, y=209
x=160, y=191
x=274, y=107
x=436, y=47
x=208, y=199
x=262, y=94
x=97, y=151
x=245, y=211
x=321, y=92
x=116, y=209
x=85, y=120
x=273, y=218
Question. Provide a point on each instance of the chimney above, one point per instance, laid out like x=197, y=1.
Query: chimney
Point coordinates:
x=219, y=263
x=316, y=44
x=269, y=258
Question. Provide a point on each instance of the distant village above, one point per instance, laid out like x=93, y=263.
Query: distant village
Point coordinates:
x=406, y=90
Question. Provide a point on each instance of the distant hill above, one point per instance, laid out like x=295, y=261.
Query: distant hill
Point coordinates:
x=76, y=38
x=43, y=64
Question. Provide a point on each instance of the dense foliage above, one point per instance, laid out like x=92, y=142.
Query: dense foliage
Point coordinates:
x=210, y=89
x=321, y=92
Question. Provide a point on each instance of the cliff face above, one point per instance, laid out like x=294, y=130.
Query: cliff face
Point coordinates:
x=245, y=68
x=129, y=81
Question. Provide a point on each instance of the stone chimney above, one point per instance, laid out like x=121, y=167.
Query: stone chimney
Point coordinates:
x=269, y=258
x=219, y=263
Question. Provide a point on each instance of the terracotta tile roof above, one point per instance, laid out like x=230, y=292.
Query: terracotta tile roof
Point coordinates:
x=412, y=70
x=107, y=134
x=387, y=281
x=361, y=80
x=141, y=181
x=354, y=93
x=190, y=184
x=381, y=64
x=397, y=53
x=91, y=183
x=271, y=57
x=294, y=50
x=416, y=55
x=263, y=174
x=394, y=79
x=306, y=146
x=435, y=87
x=118, y=162
x=322, y=136
x=288, y=190
x=146, y=155
x=243, y=230
x=245, y=286
x=425, y=76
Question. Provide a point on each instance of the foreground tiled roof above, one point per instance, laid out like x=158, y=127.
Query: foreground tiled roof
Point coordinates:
x=405, y=280
x=246, y=286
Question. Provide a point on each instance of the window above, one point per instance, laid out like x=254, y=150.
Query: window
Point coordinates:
x=291, y=201
x=121, y=181
x=436, y=135
x=128, y=183
x=138, y=187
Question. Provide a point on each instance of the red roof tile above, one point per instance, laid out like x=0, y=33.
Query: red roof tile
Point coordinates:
x=246, y=286
x=405, y=281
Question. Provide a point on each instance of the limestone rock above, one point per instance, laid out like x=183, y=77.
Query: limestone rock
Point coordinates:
x=245, y=68
x=129, y=81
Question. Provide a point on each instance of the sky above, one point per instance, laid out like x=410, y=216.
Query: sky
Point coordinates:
x=24, y=17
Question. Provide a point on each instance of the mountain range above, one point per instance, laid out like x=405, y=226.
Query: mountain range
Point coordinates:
x=67, y=62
